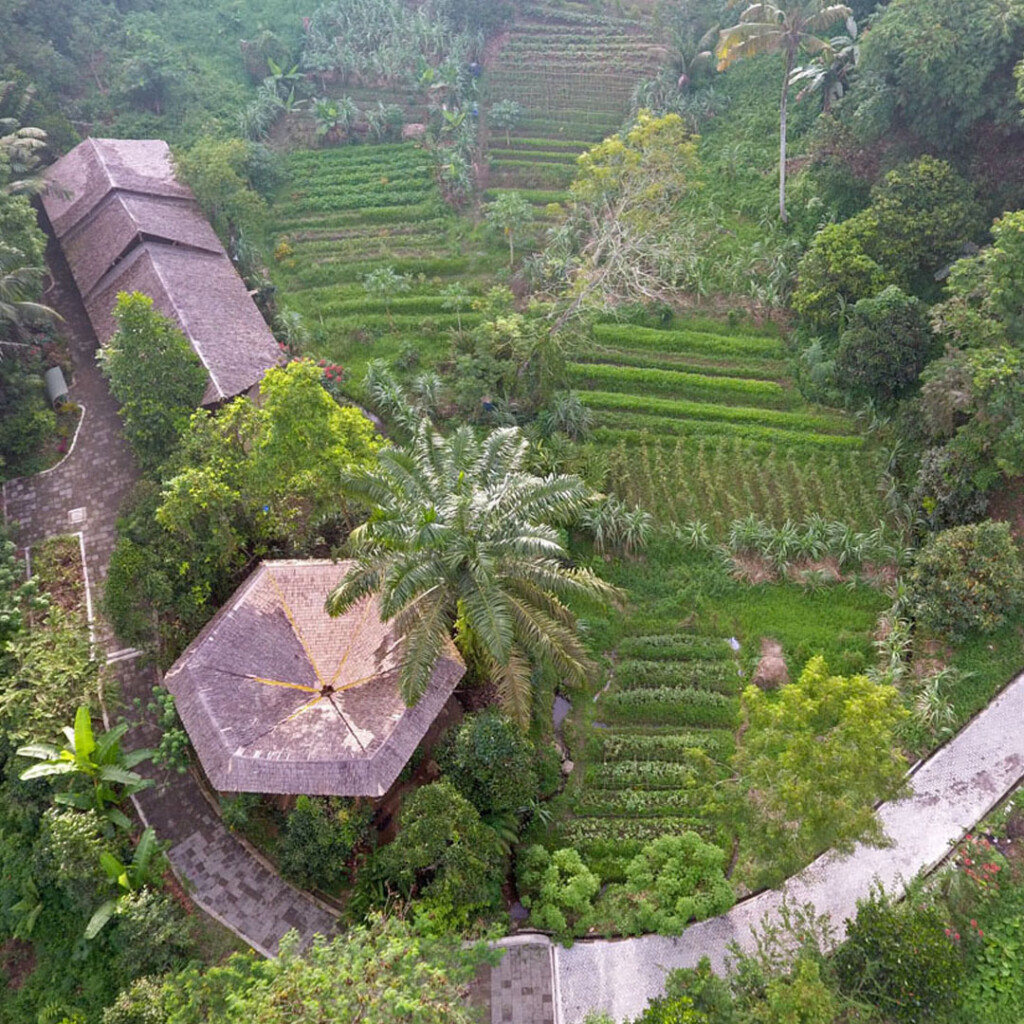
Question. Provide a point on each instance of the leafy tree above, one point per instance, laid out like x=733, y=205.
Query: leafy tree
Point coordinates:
x=505, y=115
x=445, y=857
x=490, y=762
x=248, y=481
x=151, y=71
x=937, y=71
x=155, y=376
x=459, y=533
x=780, y=28
x=101, y=761
x=559, y=891
x=885, y=345
x=383, y=972
x=815, y=758
x=899, y=957
x=984, y=303
x=672, y=881
x=319, y=837
x=967, y=578
x=921, y=215
x=510, y=213
x=625, y=240
x=221, y=174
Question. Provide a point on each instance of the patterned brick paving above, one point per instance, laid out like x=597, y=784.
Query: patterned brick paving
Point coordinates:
x=224, y=877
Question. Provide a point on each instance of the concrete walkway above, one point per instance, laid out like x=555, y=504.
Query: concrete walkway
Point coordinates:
x=535, y=983
x=952, y=792
x=82, y=495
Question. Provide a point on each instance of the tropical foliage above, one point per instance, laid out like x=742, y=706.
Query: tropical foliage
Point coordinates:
x=462, y=541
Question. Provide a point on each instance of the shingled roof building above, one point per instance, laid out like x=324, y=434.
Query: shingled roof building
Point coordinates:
x=126, y=224
x=278, y=697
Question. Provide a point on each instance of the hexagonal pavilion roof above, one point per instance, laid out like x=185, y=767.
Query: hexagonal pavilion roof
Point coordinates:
x=278, y=697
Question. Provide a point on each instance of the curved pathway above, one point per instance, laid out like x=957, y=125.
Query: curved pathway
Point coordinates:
x=82, y=495
x=536, y=981
x=951, y=791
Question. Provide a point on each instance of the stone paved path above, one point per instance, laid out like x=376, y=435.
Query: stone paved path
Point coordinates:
x=224, y=877
x=952, y=791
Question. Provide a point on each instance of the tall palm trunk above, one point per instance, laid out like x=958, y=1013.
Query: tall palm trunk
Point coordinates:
x=783, y=216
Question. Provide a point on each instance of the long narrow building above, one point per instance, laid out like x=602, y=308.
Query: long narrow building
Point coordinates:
x=126, y=224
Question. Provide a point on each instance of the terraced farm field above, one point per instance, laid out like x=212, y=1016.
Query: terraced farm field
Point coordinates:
x=700, y=421
x=572, y=70
x=662, y=737
x=346, y=212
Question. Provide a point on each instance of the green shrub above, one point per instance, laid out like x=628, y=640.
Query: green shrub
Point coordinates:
x=320, y=835
x=672, y=881
x=967, y=578
x=490, y=762
x=898, y=957
x=885, y=345
x=446, y=855
x=558, y=889
x=156, y=378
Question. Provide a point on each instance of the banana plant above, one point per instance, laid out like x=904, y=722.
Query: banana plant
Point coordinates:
x=128, y=877
x=100, y=760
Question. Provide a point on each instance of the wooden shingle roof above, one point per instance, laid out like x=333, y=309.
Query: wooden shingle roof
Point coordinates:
x=278, y=697
x=126, y=224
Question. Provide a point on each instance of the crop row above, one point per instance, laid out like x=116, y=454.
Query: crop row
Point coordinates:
x=633, y=428
x=688, y=340
x=673, y=647
x=718, y=676
x=533, y=156
x=617, y=745
x=679, y=384
x=580, y=831
x=327, y=272
x=709, y=365
x=669, y=706
x=648, y=406
x=426, y=303
x=568, y=146
x=537, y=196
x=292, y=217
x=358, y=198
x=641, y=803
x=425, y=241
x=384, y=154
x=639, y=775
x=720, y=479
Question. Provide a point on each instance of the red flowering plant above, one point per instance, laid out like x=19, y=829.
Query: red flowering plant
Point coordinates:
x=971, y=885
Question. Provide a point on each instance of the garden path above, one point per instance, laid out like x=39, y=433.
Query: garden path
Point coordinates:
x=82, y=495
x=951, y=792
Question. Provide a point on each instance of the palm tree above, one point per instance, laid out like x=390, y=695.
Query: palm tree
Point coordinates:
x=461, y=538
x=18, y=283
x=774, y=28
x=828, y=73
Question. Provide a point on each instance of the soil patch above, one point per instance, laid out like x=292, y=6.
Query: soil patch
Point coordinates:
x=17, y=962
x=771, y=672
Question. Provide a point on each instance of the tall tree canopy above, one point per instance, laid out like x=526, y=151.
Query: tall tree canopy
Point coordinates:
x=462, y=538
x=786, y=28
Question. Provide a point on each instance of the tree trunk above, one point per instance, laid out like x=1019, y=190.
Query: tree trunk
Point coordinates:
x=783, y=216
